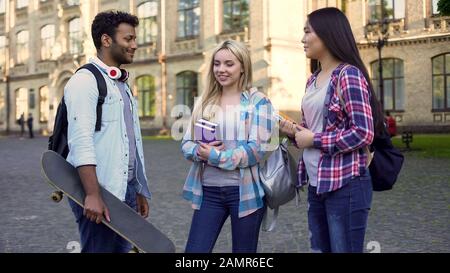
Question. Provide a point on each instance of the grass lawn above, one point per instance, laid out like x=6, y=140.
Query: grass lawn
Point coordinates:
x=433, y=145
x=423, y=145
x=157, y=137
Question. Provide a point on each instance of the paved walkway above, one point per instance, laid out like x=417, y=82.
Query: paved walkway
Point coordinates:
x=414, y=217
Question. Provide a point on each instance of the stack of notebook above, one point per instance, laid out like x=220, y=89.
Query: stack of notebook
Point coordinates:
x=205, y=131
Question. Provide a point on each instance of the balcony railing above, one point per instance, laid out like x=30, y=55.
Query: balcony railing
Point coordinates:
x=46, y=66
x=394, y=28
x=145, y=52
x=185, y=45
x=242, y=36
x=440, y=24
x=19, y=70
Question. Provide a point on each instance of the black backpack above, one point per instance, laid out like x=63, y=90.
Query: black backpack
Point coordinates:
x=58, y=140
x=386, y=163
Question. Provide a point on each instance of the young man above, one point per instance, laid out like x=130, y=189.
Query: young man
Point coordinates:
x=112, y=157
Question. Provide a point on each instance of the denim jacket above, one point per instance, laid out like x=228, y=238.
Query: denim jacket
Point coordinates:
x=107, y=149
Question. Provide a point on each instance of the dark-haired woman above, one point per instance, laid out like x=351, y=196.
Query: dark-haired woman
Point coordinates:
x=335, y=135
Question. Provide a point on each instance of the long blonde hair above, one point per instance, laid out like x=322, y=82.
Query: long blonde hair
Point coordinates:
x=210, y=98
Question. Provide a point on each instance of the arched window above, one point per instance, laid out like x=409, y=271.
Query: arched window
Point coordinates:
x=75, y=45
x=235, y=15
x=47, y=41
x=393, y=83
x=21, y=4
x=441, y=82
x=148, y=27
x=22, y=47
x=187, y=88
x=44, y=106
x=2, y=51
x=2, y=6
x=188, y=18
x=146, y=96
x=21, y=102
x=2, y=107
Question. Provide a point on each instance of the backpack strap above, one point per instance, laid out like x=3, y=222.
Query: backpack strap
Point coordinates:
x=102, y=91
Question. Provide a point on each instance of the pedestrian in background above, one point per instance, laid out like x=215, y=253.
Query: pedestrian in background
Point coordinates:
x=30, y=125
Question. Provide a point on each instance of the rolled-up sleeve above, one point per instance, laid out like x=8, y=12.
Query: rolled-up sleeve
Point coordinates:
x=81, y=96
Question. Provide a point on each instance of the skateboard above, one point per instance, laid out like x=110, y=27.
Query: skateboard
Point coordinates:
x=125, y=221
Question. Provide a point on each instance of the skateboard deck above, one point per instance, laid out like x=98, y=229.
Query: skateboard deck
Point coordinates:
x=124, y=220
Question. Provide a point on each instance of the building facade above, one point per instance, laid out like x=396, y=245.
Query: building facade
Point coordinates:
x=415, y=59
x=42, y=43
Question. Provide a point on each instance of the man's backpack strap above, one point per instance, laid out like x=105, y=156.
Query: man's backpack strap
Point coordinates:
x=102, y=91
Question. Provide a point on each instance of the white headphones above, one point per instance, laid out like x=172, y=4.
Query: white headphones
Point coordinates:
x=112, y=72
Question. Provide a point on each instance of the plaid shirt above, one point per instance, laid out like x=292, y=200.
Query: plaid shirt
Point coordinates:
x=341, y=143
x=252, y=145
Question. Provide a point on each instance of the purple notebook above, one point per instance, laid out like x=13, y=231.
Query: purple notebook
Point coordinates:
x=205, y=131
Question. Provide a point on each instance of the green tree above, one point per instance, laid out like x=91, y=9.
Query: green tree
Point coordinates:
x=444, y=7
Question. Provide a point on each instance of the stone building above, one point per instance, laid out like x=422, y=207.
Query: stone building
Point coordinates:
x=42, y=43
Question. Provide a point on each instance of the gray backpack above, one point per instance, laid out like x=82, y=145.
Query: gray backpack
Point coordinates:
x=278, y=177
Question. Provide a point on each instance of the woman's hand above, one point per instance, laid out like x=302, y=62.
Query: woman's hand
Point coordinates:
x=205, y=149
x=288, y=127
x=304, y=137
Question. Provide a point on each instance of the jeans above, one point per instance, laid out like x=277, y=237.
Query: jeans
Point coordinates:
x=219, y=203
x=338, y=220
x=98, y=238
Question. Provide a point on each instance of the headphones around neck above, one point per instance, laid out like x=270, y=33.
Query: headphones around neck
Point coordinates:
x=112, y=71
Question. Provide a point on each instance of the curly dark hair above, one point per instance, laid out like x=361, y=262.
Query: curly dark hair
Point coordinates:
x=107, y=23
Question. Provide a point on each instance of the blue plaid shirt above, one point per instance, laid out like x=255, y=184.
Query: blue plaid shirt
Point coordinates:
x=254, y=135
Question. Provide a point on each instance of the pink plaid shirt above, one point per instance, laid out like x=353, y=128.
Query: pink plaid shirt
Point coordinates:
x=342, y=142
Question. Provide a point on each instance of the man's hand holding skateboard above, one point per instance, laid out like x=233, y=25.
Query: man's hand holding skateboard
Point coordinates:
x=94, y=208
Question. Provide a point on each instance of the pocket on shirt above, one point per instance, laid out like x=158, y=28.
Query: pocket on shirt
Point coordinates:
x=335, y=113
x=110, y=109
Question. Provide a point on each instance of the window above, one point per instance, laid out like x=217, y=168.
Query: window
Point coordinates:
x=235, y=15
x=21, y=102
x=146, y=96
x=2, y=6
x=434, y=9
x=186, y=88
x=21, y=3
x=22, y=47
x=44, y=106
x=47, y=41
x=441, y=82
x=2, y=107
x=393, y=83
x=148, y=27
x=2, y=51
x=75, y=46
x=188, y=18
x=391, y=10
x=72, y=2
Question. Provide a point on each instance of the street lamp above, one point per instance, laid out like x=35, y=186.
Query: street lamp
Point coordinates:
x=381, y=26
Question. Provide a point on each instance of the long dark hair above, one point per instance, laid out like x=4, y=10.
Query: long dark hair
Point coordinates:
x=333, y=28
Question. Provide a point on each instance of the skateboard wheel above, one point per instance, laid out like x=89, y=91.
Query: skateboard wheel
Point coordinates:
x=134, y=250
x=57, y=196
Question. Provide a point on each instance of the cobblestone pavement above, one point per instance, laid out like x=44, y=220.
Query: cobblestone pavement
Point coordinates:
x=414, y=217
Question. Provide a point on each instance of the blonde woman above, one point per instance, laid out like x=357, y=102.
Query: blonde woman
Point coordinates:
x=222, y=180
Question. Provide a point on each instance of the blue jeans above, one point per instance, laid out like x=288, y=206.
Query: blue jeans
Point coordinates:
x=219, y=203
x=98, y=238
x=338, y=220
